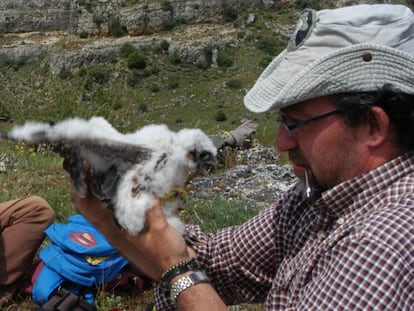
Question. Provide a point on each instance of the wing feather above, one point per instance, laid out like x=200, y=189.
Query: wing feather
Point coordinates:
x=109, y=162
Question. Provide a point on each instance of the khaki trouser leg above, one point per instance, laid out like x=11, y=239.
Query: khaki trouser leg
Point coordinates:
x=22, y=225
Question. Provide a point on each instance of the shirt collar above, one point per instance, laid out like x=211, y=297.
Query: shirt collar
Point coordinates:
x=350, y=195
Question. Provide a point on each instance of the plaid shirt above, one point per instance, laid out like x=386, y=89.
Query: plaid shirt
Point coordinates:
x=352, y=249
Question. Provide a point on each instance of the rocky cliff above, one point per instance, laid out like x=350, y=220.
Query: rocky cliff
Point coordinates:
x=94, y=17
x=60, y=26
x=72, y=33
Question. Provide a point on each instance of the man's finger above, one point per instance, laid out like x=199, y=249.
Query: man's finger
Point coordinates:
x=155, y=216
x=156, y=211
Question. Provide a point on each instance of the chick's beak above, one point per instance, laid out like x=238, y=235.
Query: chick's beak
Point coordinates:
x=205, y=160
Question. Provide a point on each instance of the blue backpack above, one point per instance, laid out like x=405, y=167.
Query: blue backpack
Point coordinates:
x=78, y=257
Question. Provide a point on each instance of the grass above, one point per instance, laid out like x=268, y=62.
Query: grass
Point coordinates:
x=217, y=212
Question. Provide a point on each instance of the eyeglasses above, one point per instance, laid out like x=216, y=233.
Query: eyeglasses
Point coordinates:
x=290, y=127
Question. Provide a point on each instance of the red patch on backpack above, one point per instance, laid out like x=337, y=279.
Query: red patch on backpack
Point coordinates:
x=83, y=238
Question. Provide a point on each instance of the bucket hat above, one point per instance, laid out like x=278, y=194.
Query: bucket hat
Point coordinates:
x=352, y=49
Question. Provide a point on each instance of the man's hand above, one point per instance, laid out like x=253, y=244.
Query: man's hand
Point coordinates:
x=154, y=250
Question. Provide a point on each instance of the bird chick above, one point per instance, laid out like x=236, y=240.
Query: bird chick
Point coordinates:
x=127, y=170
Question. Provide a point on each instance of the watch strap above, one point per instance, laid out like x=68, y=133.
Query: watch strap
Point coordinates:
x=189, y=264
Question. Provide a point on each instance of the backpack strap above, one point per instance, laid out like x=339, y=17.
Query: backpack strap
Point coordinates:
x=64, y=300
x=45, y=283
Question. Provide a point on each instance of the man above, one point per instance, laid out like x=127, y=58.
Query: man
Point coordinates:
x=343, y=238
x=22, y=225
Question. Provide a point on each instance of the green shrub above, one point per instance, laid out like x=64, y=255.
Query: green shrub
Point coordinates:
x=127, y=49
x=208, y=52
x=100, y=74
x=65, y=74
x=168, y=25
x=314, y=4
x=166, y=5
x=234, y=84
x=225, y=59
x=136, y=60
x=220, y=116
x=270, y=44
x=164, y=45
x=265, y=61
x=175, y=59
x=15, y=65
x=117, y=30
x=230, y=15
x=82, y=72
x=83, y=35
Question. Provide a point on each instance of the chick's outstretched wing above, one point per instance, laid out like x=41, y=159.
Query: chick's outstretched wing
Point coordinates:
x=109, y=161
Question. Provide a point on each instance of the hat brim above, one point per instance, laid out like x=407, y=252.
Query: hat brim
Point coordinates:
x=343, y=70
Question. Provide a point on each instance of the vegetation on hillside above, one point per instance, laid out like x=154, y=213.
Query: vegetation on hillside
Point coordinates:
x=138, y=87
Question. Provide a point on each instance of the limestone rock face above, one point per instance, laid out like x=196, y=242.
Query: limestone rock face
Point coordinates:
x=61, y=26
x=54, y=20
x=36, y=15
x=91, y=17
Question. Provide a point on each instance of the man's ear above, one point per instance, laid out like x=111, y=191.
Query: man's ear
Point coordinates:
x=379, y=126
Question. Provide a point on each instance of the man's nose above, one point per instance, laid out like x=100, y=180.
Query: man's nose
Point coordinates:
x=285, y=141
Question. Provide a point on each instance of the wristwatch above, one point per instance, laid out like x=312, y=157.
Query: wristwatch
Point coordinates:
x=187, y=281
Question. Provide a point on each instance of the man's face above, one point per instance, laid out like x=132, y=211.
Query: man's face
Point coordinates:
x=324, y=146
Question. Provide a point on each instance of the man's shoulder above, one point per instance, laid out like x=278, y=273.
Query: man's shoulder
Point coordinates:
x=391, y=225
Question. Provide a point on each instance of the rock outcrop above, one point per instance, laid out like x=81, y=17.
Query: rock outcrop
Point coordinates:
x=58, y=20
x=105, y=25
x=255, y=168
x=88, y=17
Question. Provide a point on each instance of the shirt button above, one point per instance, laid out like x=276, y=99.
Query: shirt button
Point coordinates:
x=320, y=234
x=340, y=221
x=289, y=273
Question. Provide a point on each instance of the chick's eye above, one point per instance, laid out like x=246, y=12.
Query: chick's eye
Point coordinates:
x=204, y=155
